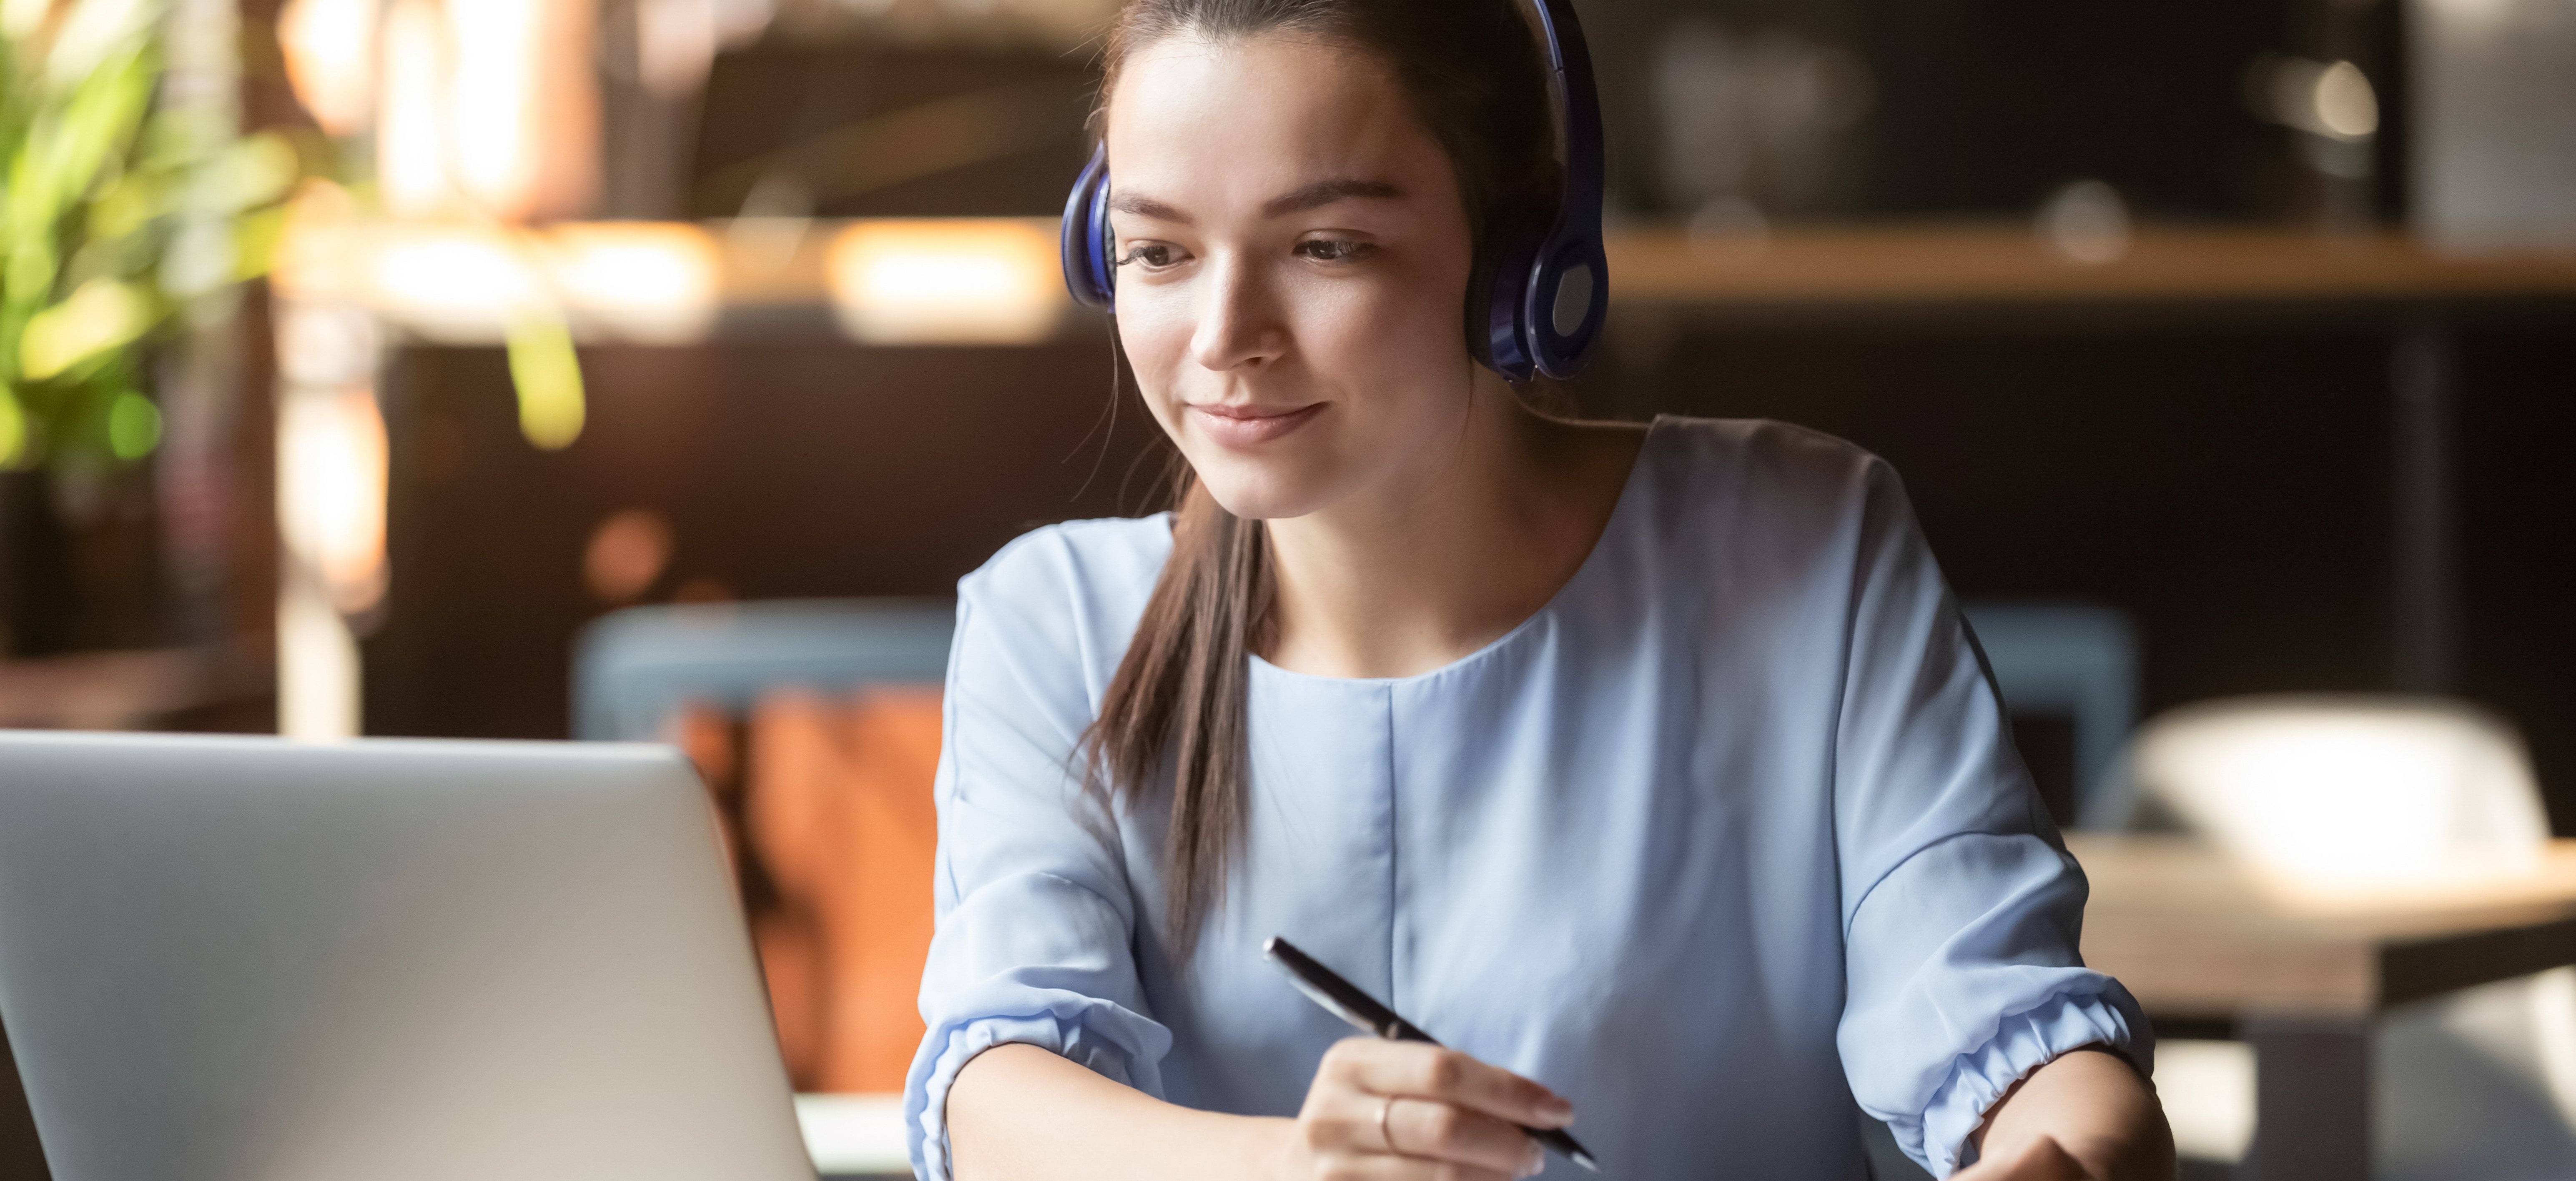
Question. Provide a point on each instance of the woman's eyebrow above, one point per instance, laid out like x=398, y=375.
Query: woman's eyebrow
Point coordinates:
x=1325, y=192
x=1144, y=206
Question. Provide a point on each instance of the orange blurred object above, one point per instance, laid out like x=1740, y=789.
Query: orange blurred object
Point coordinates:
x=627, y=554
x=838, y=818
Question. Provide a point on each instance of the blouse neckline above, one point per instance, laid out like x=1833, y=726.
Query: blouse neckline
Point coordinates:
x=1620, y=511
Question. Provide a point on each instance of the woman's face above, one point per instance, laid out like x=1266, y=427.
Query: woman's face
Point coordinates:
x=1298, y=255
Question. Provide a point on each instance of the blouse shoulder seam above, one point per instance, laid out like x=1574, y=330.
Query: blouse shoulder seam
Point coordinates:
x=1852, y=913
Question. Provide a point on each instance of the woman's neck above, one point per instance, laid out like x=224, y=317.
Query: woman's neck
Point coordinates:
x=1447, y=556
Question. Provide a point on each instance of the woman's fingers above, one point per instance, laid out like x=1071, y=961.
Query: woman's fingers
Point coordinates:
x=1423, y=1071
x=1435, y=1112
x=1440, y=1131
x=1348, y=1122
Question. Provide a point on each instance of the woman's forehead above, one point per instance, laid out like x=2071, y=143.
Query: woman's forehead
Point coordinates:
x=1251, y=118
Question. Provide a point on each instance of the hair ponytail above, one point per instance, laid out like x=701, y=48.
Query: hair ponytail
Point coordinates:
x=1478, y=81
x=1182, y=688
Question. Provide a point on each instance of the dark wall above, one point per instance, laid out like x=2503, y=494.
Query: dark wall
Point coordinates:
x=861, y=130
x=2518, y=430
x=785, y=469
x=1984, y=106
x=1981, y=107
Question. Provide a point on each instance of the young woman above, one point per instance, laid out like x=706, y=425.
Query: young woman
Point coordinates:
x=1651, y=769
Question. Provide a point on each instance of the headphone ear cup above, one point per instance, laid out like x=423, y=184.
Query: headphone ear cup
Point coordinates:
x=1088, y=273
x=1565, y=305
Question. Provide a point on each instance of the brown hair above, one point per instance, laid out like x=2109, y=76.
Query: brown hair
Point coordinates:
x=1476, y=78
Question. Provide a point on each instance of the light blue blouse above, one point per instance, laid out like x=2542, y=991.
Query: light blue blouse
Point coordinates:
x=1728, y=835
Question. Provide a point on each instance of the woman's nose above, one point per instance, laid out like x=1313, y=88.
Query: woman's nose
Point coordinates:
x=1238, y=323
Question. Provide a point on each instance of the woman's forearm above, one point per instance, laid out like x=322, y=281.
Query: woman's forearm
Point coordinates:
x=2089, y=1105
x=1021, y=1113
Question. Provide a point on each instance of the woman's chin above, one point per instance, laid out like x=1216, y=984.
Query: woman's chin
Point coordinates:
x=1249, y=492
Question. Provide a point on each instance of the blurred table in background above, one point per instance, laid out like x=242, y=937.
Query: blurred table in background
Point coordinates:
x=2301, y=973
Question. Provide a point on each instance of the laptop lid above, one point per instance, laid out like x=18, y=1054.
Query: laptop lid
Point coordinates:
x=228, y=959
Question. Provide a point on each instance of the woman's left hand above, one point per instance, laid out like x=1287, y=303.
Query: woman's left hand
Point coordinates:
x=2085, y=1117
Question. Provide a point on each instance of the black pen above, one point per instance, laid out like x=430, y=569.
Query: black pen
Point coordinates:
x=1344, y=1000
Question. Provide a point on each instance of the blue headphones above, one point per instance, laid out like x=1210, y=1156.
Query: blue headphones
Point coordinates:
x=1545, y=305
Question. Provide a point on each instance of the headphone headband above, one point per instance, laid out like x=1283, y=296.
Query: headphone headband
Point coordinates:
x=1545, y=304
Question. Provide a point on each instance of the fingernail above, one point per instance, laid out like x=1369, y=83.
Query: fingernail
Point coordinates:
x=1535, y=1161
x=1555, y=1112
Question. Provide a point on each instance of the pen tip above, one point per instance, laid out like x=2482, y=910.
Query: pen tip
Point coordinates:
x=1585, y=1159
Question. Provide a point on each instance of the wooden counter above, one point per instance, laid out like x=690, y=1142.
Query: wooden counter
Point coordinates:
x=2194, y=934
x=2301, y=972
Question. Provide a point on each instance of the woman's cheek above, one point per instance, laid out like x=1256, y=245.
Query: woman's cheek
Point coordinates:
x=1157, y=348
x=1398, y=338
x=1358, y=330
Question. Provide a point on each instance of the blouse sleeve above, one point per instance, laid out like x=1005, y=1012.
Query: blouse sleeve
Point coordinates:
x=1034, y=912
x=1962, y=908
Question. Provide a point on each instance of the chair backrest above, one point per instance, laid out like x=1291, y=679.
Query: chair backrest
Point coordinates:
x=633, y=669
x=2343, y=788
x=2072, y=660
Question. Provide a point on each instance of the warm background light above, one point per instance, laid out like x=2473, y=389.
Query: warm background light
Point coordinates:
x=331, y=491
x=524, y=106
x=448, y=280
x=490, y=107
x=961, y=281
x=2330, y=795
x=330, y=48
x=649, y=282
x=411, y=136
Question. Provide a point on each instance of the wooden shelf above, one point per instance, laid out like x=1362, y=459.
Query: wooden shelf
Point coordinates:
x=2011, y=265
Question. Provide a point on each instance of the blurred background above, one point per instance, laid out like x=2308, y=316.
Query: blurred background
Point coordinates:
x=653, y=368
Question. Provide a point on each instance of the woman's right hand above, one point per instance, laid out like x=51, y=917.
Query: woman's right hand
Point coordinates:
x=1397, y=1111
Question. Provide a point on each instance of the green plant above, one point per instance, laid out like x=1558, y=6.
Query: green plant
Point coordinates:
x=119, y=213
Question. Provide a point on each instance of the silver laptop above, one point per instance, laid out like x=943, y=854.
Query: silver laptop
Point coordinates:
x=228, y=959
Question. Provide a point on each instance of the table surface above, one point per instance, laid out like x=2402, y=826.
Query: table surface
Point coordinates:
x=2195, y=934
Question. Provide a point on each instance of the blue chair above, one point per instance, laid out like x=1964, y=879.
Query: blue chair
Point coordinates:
x=634, y=668
x=2068, y=660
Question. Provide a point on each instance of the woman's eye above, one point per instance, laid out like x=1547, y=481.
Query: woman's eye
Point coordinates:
x=1332, y=249
x=1153, y=256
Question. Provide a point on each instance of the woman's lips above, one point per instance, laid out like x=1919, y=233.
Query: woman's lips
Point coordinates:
x=1249, y=426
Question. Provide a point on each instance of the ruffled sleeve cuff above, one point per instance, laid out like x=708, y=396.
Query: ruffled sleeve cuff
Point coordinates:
x=1119, y=1045
x=2023, y=1042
